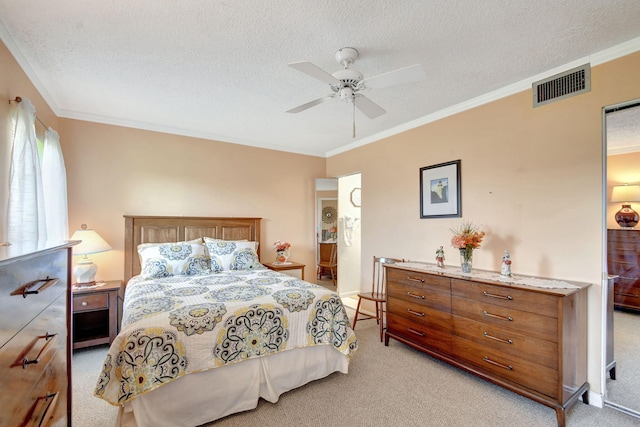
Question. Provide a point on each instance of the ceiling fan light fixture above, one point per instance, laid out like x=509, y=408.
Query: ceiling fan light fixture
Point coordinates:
x=347, y=83
x=346, y=94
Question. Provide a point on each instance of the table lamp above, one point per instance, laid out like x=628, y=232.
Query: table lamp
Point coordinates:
x=92, y=243
x=626, y=217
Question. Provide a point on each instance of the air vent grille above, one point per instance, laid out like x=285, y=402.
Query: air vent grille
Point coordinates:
x=564, y=85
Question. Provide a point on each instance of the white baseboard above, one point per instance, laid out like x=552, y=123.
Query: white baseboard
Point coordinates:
x=596, y=399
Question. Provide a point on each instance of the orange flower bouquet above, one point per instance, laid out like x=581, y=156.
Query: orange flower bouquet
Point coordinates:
x=466, y=238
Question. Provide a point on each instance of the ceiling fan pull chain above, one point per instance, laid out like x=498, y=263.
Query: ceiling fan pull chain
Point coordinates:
x=354, y=117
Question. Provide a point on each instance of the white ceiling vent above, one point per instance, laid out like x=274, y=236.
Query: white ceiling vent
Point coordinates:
x=563, y=85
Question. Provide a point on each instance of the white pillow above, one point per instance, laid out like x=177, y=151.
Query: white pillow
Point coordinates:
x=173, y=259
x=232, y=254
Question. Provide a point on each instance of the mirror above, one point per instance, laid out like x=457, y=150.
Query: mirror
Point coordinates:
x=622, y=139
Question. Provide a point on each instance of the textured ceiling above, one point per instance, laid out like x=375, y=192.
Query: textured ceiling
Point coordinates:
x=218, y=69
x=623, y=130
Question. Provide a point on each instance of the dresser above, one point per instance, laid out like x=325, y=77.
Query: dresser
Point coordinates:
x=530, y=340
x=623, y=255
x=35, y=345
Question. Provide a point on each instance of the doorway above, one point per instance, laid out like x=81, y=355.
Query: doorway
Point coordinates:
x=349, y=222
x=621, y=124
x=342, y=229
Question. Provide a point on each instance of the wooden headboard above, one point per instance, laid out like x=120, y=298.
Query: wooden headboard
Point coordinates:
x=159, y=229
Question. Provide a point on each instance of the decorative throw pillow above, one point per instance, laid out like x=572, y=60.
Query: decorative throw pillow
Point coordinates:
x=173, y=259
x=232, y=254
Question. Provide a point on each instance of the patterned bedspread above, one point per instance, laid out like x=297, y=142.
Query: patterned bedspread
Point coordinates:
x=177, y=325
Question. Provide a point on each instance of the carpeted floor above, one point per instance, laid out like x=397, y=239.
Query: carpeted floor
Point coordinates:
x=625, y=389
x=386, y=386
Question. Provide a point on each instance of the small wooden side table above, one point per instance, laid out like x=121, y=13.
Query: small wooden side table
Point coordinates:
x=95, y=313
x=284, y=267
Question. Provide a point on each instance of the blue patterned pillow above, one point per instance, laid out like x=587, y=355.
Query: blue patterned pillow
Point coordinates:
x=232, y=254
x=173, y=259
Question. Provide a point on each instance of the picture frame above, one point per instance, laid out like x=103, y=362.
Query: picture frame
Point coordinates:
x=440, y=190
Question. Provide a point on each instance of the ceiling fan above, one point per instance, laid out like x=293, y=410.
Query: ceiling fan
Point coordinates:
x=347, y=83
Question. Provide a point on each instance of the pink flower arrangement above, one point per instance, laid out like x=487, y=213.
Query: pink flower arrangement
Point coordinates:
x=281, y=246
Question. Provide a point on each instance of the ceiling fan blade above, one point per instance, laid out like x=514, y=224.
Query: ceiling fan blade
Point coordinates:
x=368, y=107
x=410, y=74
x=314, y=71
x=310, y=104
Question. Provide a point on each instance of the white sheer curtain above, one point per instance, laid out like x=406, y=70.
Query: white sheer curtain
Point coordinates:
x=54, y=183
x=26, y=214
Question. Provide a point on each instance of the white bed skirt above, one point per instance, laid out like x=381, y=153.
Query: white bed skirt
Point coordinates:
x=203, y=397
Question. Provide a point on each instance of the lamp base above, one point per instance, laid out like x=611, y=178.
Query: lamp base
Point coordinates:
x=85, y=272
x=627, y=217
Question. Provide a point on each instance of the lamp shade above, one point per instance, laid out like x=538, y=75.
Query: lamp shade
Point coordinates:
x=91, y=243
x=625, y=193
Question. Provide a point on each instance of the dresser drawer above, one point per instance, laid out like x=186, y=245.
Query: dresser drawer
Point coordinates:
x=29, y=357
x=418, y=280
x=507, y=341
x=45, y=403
x=543, y=327
x=523, y=372
x=625, y=294
x=505, y=296
x=419, y=333
x=437, y=297
x=622, y=258
x=32, y=343
x=24, y=276
x=623, y=236
x=97, y=301
x=420, y=314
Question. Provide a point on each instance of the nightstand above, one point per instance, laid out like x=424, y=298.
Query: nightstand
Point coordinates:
x=95, y=313
x=288, y=266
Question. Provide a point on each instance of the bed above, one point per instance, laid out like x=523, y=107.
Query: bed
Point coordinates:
x=207, y=330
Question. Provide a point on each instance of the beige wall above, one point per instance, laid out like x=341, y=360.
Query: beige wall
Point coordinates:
x=621, y=169
x=531, y=177
x=113, y=171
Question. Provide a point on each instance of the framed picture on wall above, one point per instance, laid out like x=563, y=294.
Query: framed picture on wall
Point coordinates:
x=440, y=190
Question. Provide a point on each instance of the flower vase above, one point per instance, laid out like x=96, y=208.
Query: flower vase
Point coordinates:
x=282, y=256
x=466, y=259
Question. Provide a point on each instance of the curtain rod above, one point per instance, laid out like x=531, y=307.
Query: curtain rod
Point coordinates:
x=18, y=99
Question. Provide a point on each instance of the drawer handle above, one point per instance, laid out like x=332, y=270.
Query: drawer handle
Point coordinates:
x=413, y=331
x=84, y=303
x=415, y=313
x=412, y=295
x=51, y=399
x=496, y=316
x=627, y=295
x=509, y=367
x=415, y=279
x=498, y=339
x=25, y=290
x=48, y=338
x=487, y=294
